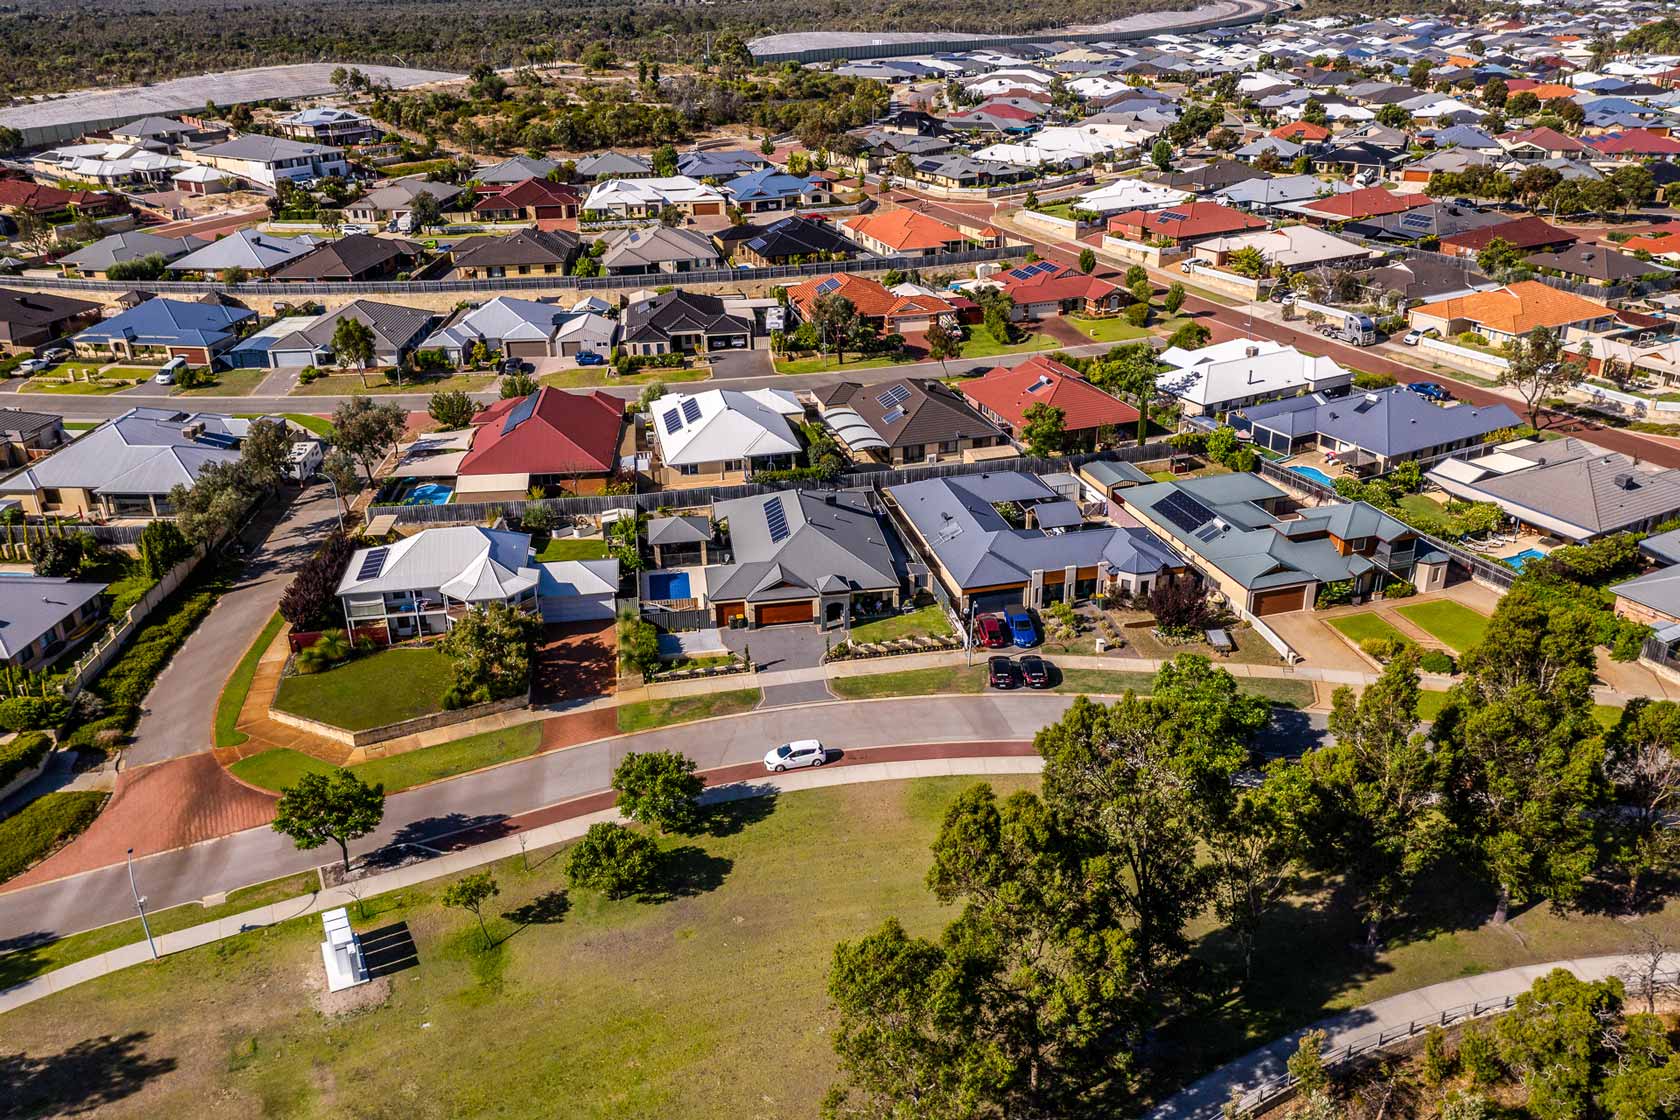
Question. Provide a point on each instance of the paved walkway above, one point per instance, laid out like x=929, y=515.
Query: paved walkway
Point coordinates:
x=540, y=830
x=1408, y=1012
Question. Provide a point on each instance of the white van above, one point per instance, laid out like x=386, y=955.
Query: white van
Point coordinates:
x=166, y=375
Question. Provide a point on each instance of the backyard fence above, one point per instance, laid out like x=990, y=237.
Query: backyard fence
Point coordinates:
x=100, y=654
x=502, y=285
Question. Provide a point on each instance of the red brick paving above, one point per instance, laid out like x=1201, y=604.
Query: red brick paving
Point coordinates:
x=576, y=661
x=156, y=809
x=578, y=727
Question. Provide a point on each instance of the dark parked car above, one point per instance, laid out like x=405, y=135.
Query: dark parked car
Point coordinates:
x=1021, y=629
x=1430, y=391
x=514, y=365
x=989, y=632
x=590, y=358
x=1001, y=672
x=1035, y=671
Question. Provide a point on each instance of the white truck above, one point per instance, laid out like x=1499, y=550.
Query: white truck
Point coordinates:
x=1352, y=327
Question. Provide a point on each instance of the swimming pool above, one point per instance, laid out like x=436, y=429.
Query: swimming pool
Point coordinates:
x=429, y=494
x=1315, y=474
x=1523, y=557
x=668, y=585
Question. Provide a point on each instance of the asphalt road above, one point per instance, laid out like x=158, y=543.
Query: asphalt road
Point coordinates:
x=188, y=874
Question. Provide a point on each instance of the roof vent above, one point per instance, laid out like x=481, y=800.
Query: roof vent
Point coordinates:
x=1626, y=482
x=1251, y=351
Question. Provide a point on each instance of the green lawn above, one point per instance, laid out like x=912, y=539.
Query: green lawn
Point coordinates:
x=350, y=384
x=238, y=686
x=825, y=363
x=227, y=383
x=320, y=425
x=371, y=690
x=38, y=829
x=911, y=682
x=74, y=388
x=1113, y=329
x=981, y=344
x=571, y=548
x=282, y=767
x=1419, y=506
x=963, y=679
x=645, y=714
x=1365, y=625
x=926, y=622
x=585, y=377
x=81, y=425
x=25, y=964
x=1430, y=703
x=1452, y=623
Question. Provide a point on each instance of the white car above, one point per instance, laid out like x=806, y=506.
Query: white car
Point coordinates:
x=32, y=365
x=800, y=752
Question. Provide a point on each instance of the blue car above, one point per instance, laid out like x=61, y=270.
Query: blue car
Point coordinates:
x=590, y=358
x=1428, y=390
x=1021, y=630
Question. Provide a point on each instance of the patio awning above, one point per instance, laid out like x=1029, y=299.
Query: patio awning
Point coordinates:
x=854, y=431
x=381, y=525
x=1059, y=514
x=492, y=484
x=445, y=465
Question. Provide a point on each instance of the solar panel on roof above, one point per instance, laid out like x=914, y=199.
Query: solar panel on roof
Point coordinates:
x=775, y=519
x=1042, y=266
x=1185, y=512
x=373, y=563
x=218, y=439
x=520, y=414
x=1415, y=220
x=892, y=416
x=1173, y=216
x=1019, y=274
x=827, y=286
x=673, y=421
x=691, y=410
x=894, y=396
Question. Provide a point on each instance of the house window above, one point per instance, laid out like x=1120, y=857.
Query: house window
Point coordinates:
x=914, y=451
x=734, y=465
x=688, y=469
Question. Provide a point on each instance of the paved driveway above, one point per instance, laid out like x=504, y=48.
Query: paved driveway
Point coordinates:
x=576, y=663
x=742, y=363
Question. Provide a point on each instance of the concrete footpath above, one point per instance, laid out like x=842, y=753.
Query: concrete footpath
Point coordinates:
x=1392, y=1018
x=450, y=863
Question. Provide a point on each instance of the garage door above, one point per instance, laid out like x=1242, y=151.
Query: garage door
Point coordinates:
x=774, y=613
x=1280, y=601
x=992, y=601
x=527, y=349
x=576, y=608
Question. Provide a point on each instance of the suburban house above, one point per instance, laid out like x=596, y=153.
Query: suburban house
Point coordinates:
x=905, y=233
x=295, y=341
x=769, y=189
x=1372, y=433
x=32, y=319
x=1565, y=488
x=1420, y=279
x=1509, y=312
x=360, y=256
x=27, y=436
x=55, y=204
x=1131, y=194
x=265, y=160
x=167, y=132
x=561, y=442
x=645, y=198
x=1240, y=372
x=395, y=200
x=1530, y=145
x=612, y=165
x=802, y=556
x=681, y=322
x=1435, y=219
x=1596, y=265
x=126, y=467
x=42, y=618
x=723, y=435
x=651, y=250
x=1182, y=225
x=422, y=584
x=878, y=306
x=258, y=254
x=1654, y=599
x=788, y=241
x=1528, y=234
x=327, y=124
x=906, y=422
x=119, y=248
x=1360, y=205
x=528, y=200
x=522, y=328
x=1008, y=539
x=161, y=329
x=1290, y=248
x=527, y=252
x=720, y=163
x=1239, y=538
x=1004, y=394
x=1044, y=289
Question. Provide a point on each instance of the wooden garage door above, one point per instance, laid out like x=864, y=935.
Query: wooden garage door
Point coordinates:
x=729, y=612
x=527, y=349
x=785, y=612
x=1280, y=601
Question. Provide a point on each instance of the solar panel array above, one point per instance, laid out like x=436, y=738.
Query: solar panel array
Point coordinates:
x=1027, y=272
x=691, y=410
x=894, y=396
x=892, y=416
x=828, y=286
x=1173, y=216
x=1185, y=512
x=672, y=421
x=520, y=414
x=1415, y=220
x=775, y=519
x=373, y=563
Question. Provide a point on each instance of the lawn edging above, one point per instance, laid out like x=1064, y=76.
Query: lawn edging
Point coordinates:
x=370, y=735
x=230, y=702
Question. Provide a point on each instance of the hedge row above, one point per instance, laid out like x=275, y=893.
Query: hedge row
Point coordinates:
x=23, y=753
x=40, y=828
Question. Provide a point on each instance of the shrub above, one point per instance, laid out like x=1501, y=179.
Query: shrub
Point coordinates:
x=1137, y=314
x=1334, y=594
x=1364, y=380
x=638, y=646
x=613, y=860
x=23, y=753
x=1399, y=589
x=162, y=547
x=1384, y=649
x=25, y=713
x=1437, y=661
x=31, y=834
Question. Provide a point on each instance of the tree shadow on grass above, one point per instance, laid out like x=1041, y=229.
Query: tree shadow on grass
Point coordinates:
x=727, y=818
x=685, y=872
x=544, y=910
x=87, y=1076
x=20, y=957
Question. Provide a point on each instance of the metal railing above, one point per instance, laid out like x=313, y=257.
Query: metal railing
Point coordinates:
x=519, y=283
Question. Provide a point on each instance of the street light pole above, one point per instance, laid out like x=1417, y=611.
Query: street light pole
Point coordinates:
x=140, y=905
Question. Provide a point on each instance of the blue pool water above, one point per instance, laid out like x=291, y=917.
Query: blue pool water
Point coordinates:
x=429, y=494
x=1523, y=557
x=668, y=585
x=1315, y=474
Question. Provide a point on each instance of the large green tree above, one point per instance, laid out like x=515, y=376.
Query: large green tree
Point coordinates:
x=336, y=806
x=660, y=788
x=368, y=432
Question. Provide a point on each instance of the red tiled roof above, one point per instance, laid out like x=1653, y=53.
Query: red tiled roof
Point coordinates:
x=1066, y=283
x=25, y=195
x=872, y=299
x=1550, y=139
x=1524, y=233
x=1301, y=130
x=1635, y=142
x=530, y=192
x=1008, y=393
x=1005, y=111
x=564, y=434
x=1366, y=202
x=1194, y=219
x=902, y=229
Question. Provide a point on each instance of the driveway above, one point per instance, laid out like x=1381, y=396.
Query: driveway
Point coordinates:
x=576, y=663
x=742, y=363
x=176, y=719
x=787, y=658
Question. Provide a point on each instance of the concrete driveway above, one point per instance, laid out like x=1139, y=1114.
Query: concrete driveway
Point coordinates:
x=742, y=363
x=785, y=655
